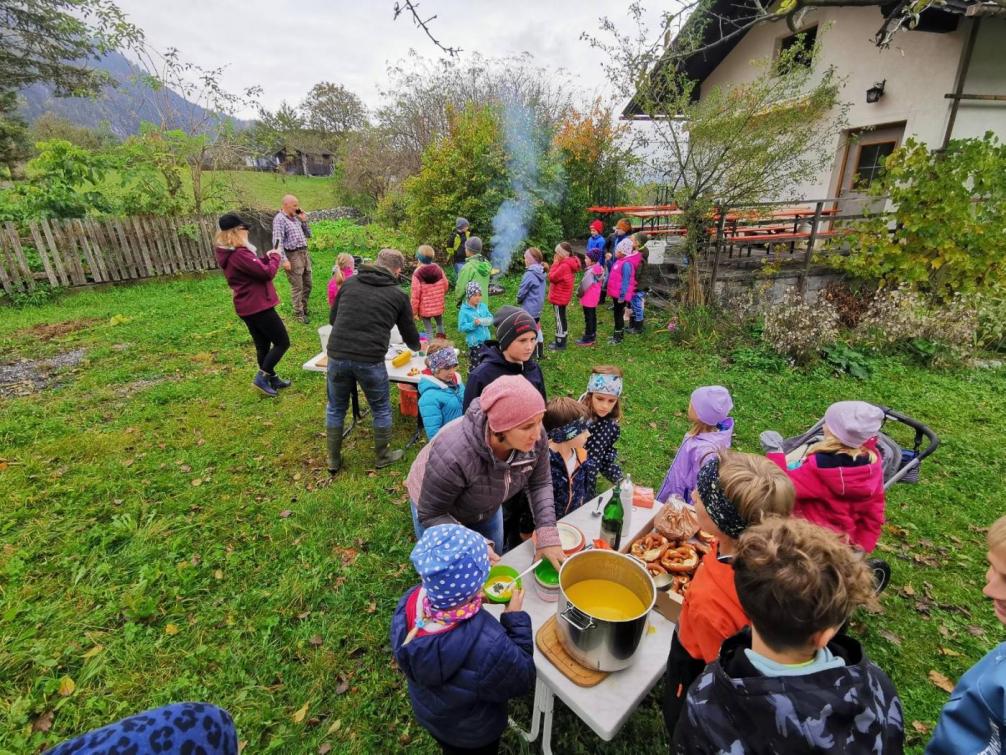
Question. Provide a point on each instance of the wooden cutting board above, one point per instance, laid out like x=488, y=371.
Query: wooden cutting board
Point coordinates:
x=550, y=645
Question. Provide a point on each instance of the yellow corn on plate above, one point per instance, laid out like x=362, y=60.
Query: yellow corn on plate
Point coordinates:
x=401, y=359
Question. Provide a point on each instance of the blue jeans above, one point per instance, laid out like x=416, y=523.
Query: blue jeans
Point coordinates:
x=373, y=379
x=638, y=303
x=457, y=269
x=491, y=528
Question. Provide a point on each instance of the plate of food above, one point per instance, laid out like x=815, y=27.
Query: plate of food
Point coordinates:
x=413, y=372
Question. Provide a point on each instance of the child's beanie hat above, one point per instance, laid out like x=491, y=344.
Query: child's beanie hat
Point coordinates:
x=473, y=288
x=854, y=422
x=460, y=223
x=473, y=245
x=511, y=323
x=712, y=403
x=596, y=225
x=453, y=562
x=510, y=401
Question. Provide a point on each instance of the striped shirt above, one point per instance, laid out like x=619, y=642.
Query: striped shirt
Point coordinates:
x=289, y=233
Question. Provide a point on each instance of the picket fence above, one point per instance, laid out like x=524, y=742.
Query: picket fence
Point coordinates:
x=85, y=251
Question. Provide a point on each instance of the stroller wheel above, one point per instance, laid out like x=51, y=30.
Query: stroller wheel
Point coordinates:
x=881, y=573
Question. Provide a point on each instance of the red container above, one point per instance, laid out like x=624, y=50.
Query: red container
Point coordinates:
x=408, y=400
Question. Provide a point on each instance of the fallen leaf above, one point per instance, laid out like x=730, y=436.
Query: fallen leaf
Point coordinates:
x=197, y=482
x=185, y=468
x=348, y=555
x=3, y=468
x=342, y=687
x=303, y=615
x=372, y=608
x=93, y=651
x=336, y=725
x=300, y=715
x=43, y=722
x=285, y=513
x=941, y=681
x=976, y=631
x=171, y=629
x=324, y=748
x=920, y=727
x=218, y=574
x=908, y=591
x=128, y=463
x=944, y=631
x=316, y=641
x=405, y=738
x=950, y=652
x=66, y=686
x=890, y=637
x=296, y=476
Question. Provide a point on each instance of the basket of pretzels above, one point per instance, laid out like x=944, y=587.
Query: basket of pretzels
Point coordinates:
x=672, y=548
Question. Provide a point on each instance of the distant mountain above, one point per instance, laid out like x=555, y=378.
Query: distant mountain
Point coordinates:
x=123, y=107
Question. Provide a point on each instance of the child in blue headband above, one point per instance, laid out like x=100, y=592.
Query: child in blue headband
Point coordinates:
x=603, y=400
x=566, y=423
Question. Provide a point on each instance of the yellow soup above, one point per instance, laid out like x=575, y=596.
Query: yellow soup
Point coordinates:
x=605, y=599
x=504, y=594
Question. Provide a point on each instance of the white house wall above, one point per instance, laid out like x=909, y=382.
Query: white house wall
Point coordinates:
x=919, y=68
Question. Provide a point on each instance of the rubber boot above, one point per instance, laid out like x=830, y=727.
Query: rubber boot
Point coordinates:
x=639, y=325
x=632, y=328
x=558, y=345
x=385, y=455
x=334, y=438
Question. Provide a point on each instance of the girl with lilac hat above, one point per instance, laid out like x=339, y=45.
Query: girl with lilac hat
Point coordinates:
x=711, y=431
x=462, y=665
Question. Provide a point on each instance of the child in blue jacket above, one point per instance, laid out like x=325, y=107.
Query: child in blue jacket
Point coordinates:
x=440, y=388
x=566, y=421
x=531, y=292
x=462, y=664
x=974, y=719
x=474, y=319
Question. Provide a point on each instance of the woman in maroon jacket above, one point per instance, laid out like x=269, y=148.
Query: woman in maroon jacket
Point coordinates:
x=250, y=278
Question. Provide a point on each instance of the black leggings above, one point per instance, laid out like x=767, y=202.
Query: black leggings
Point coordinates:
x=561, y=324
x=619, y=315
x=270, y=337
x=681, y=671
x=490, y=749
x=589, y=322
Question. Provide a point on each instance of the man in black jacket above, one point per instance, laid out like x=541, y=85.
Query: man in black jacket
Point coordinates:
x=368, y=306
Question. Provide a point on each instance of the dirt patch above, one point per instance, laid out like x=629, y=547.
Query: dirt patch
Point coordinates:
x=33, y=375
x=47, y=332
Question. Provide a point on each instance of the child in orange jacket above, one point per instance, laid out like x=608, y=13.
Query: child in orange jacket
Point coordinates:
x=429, y=289
x=733, y=490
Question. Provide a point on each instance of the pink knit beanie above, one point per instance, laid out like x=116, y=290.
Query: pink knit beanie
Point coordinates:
x=509, y=401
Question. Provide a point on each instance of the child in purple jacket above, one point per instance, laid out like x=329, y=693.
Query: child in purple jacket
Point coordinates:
x=462, y=664
x=711, y=431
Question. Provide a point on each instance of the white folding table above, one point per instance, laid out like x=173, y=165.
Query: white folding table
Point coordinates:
x=607, y=706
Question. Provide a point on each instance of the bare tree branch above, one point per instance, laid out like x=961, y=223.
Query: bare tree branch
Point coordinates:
x=401, y=6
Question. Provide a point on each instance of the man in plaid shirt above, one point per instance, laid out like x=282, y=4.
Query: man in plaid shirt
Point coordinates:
x=290, y=233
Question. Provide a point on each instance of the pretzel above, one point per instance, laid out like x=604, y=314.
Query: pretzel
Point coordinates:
x=680, y=560
x=705, y=537
x=655, y=569
x=701, y=548
x=650, y=547
x=679, y=584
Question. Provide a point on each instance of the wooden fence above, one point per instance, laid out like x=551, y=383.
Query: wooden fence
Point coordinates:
x=80, y=252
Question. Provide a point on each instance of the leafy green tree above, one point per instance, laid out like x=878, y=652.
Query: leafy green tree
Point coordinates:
x=15, y=145
x=463, y=173
x=947, y=211
x=64, y=181
x=333, y=110
x=49, y=127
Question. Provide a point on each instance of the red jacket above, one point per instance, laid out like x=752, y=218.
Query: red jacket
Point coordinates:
x=250, y=278
x=849, y=500
x=561, y=276
x=712, y=611
x=429, y=287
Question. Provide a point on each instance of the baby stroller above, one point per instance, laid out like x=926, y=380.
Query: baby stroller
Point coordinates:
x=900, y=464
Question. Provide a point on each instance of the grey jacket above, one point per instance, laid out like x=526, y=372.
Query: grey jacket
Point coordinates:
x=456, y=478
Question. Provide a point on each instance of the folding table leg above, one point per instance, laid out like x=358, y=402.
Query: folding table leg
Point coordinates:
x=540, y=691
x=419, y=431
x=548, y=707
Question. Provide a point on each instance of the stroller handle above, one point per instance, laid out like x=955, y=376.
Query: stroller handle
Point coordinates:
x=921, y=431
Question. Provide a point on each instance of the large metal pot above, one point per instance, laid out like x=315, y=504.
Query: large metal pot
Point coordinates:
x=600, y=643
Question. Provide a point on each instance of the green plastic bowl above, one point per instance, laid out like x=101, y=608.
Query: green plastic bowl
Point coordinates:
x=500, y=570
x=546, y=574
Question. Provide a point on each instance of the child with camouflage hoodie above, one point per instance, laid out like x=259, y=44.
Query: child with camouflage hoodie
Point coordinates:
x=791, y=683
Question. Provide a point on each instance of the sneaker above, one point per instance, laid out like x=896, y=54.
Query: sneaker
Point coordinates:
x=262, y=382
x=617, y=338
x=278, y=383
x=586, y=341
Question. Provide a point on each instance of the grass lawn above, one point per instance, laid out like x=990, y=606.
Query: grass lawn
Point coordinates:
x=169, y=535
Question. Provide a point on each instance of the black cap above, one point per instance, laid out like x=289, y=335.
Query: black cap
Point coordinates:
x=231, y=220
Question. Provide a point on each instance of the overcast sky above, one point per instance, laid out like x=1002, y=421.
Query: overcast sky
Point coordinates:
x=287, y=47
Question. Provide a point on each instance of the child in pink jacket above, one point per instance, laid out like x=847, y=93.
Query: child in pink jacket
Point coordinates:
x=621, y=285
x=342, y=271
x=840, y=483
x=590, y=295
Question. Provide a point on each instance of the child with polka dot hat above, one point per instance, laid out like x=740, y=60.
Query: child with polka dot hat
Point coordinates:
x=462, y=665
x=603, y=400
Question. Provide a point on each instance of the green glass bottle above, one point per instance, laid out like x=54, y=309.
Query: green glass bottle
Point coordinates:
x=612, y=522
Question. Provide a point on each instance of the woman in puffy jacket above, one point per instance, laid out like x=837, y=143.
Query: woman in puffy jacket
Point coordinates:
x=561, y=277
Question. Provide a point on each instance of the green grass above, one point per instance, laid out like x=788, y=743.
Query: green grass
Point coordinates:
x=225, y=189
x=145, y=493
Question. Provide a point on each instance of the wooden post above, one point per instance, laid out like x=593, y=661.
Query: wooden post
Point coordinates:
x=810, y=248
x=15, y=242
x=91, y=252
x=962, y=74
x=113, y=260
x=50, y=271
x=7, y=259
